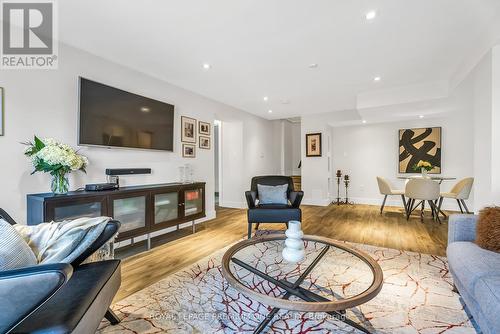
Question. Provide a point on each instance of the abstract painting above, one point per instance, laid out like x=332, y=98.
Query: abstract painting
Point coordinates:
x=419, y=144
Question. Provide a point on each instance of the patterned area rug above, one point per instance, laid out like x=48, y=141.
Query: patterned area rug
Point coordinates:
x=416, y=297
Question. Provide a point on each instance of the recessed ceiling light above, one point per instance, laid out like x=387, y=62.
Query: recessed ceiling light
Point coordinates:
x=265, y=98
x=313, y=65
x=270, y=111
x=206, y=66
x=364, y=121
x=371, y=15
x=145, y=109
x=376, y=79
x=421, y=116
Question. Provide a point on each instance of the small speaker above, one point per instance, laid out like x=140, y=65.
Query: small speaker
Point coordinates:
x=127, y=171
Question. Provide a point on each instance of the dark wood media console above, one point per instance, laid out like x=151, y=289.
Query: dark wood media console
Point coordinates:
x=140, y=209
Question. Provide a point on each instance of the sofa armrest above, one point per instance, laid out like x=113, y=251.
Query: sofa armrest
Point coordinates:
x=251, y=197
x=296, y=198
x=109, y=232
x=23, y=291
x=462, y=228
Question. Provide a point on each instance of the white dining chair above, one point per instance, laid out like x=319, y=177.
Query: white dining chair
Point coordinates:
x=460, y=192
x=422, y=190
x=385, y=189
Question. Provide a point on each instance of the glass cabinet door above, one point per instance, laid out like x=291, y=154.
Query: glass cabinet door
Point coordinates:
x=130, y=212
x=166, y=207
x=193, y=202
x=73, y=211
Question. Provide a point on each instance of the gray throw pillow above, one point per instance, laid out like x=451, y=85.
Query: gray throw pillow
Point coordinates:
x=14, y=251
x=272, y=194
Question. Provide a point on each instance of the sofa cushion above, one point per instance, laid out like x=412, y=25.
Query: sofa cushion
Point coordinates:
x=469, y=262
x=63, y=312
x=272, y=194
x=487, y=294
x=477, y=276
x=14, y=251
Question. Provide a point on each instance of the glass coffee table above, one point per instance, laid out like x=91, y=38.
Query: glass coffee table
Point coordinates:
x=332, y=277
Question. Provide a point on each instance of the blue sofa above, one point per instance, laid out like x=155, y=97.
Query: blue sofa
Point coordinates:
x=476, y=272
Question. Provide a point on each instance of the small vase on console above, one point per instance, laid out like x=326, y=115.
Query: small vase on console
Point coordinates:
x=294, y=246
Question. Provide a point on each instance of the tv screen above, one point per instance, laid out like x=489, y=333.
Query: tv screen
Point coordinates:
x=113, y=117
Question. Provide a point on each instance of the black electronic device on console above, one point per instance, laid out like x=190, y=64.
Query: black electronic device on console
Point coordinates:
x=101, y=186
x=127, y=171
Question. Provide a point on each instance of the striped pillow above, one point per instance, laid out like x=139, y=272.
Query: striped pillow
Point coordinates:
x=14, y=251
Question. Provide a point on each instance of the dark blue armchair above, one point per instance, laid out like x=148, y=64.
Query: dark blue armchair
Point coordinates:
x=61, y=297
x=272, y=213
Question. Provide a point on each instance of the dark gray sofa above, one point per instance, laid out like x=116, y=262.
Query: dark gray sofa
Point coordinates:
x=60, y=298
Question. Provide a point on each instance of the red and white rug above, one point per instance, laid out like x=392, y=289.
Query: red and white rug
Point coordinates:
x=416, y=297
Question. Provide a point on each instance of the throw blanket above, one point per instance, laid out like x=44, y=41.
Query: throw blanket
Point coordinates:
x=63, y=241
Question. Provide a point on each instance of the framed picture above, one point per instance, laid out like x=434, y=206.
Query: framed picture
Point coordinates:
x=1, y=111
x=188, y=129
x=204, y=142
x=419, y=144
x=313, y=145
x=203, y=128
x=188, y=151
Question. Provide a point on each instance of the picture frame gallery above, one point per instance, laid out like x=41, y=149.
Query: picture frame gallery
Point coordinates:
x=191, y=131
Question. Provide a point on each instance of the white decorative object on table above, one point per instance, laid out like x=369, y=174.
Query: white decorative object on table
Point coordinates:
x=294, y=246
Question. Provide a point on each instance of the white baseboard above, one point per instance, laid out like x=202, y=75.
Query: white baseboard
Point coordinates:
x=316, y=201
x=448, y=204
x=234, y=205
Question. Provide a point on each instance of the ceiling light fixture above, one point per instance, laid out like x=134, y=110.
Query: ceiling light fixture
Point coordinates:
x=377, y=79
x=364, y=121
x=270, y=111
x=145, y=109
x=371, y=15
x=421, y=116
x=313, y=65
x=265, y=98
x=206, y=66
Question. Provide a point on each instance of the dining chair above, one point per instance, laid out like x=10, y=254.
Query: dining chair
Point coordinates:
x=422, y=190
x=460, y=192
x=385, y=189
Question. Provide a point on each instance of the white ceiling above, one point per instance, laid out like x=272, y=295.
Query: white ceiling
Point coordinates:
x=263, y=48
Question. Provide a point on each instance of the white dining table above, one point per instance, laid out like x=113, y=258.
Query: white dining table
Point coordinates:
x=440, y=179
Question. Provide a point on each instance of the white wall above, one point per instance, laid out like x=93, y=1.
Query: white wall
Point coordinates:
x=45, y=103
x=316, y=173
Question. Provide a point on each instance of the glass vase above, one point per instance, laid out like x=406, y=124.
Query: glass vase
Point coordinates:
x=60, y=184
x=424, y=173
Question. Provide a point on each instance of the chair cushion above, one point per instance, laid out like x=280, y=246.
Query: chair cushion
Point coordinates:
x=448, y=195
x=63, y=312
x=259, y=215
x=272, y=194
x=14, y=250
x=397, y=192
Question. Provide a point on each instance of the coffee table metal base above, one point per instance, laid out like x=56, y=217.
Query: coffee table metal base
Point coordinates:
x=295, y=290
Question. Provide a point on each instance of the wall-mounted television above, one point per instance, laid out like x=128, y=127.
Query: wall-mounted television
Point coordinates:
x=112, y=117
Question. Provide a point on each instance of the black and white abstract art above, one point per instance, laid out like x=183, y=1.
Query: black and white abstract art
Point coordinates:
x=419, y=144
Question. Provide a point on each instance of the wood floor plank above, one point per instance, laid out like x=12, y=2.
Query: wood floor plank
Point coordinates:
x=354, y=223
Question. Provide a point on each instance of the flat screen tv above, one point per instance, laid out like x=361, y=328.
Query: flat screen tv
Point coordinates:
x=112, y=117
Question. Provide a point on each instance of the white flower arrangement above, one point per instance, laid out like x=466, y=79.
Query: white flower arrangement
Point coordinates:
x=58, y=159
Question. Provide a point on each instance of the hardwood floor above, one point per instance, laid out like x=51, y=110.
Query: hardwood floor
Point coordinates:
x=358, y=223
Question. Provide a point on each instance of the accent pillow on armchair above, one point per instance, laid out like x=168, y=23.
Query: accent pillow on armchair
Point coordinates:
x=14, y=251
x=272, y=194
